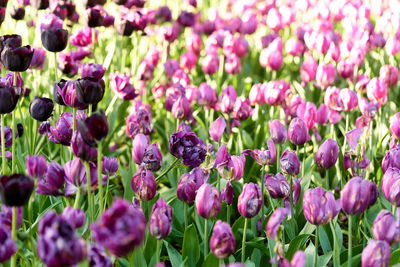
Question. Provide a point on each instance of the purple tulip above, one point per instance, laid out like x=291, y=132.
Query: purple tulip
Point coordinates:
x=298, y=132
x=327, y=154
x=277, y=185
x=322, y=114
x=75, y=176
x=228, y=193
x=109, y=165
x=355, y=196
x=76, y=217
x=53, y=181
x=276, y=219
x=352, y=137
x=217, y=129
x=376, y=253
x=249, y=201
x=377, y=91
x=208, y=202
x=6, y=217
x=188, y=147
x=263, y=157
x=308, y=113
x=389, y=185
x=207, y=95
x=83, y=37
x=81, y=149
x=308, y=69
x=36, y=166
x=38, y=58
x=63, y=132
x=227, y=99
x=120, y=84
x=391, y=159
x=98, y=257
x=242, y=109
x=160, y=221
x=58, y=244
x=395, y=125
x=139, y=119
x=89, y=90
x=189, y=183
x=386, y=227
x=390, y=74
x=139, y=145
x=296, y=188
x=320, y=206
x=275, y=92
x=222, y=241
x=290, y=163
x=41, y=108
x=325, y=75
x=93, y=71
x=144, y=184
x=152, y=157
x=16, y=189
x=8, y=246
x=349, y=99
x=68, y=94
x=17, y=59
x=278, y=132
x=121, y=228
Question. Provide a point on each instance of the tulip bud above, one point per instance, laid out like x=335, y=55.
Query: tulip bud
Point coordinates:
x=94, y=128
x=38, y=58
x=81, y=149
x=16, y=59
x=277, y=185
x=16, y=189
x=53, y=181
x=36, y=166
x=376, y=253
x=290, y=163
x=228, y=193
x=75, y=216
x=139, y=145
x=390, y=74
x=319, y=207
x=391, y=159
x=144, y=184
x=355, y=196
x=308, y=69
x=89, y=91
x=327, y=154
x=278, y=131
x=152, y=157
x=249, y=201
x=277, y=217
x=186, y=19
x=160, y=224
x=298, y=132
x=389, y=187
x=386, y=227
x=325, y=75
x=41, y=108
x=208, y=202
x=322, y=114
x=217, y=129
x=210, y=63
x=120, y=84
x=222, y=241
x=395, y=125
x=207, y=96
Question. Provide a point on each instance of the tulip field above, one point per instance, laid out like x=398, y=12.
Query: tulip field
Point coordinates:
x=204, y=133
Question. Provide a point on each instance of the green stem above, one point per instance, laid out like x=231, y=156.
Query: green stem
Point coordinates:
x=228, y=213
x=105, y=199
x=244, y=239
x=168, y=169
x=90, y=110
x=3, y=146
x=349, y=247
x=100, y=177
x=220, y=262
x=73, y=120
x=278, y=150
x=291, y=198
x=316, y=246
x=394, y=208
x=159, y=246
x=14, y=155
x=303, y=161
x=55, y=68
x=14, y=234
x=185, y=214
x=336, y=249
x=94, y=41
x=205, y=238
x=89, y=191
x=77, y=199
x=262, y=194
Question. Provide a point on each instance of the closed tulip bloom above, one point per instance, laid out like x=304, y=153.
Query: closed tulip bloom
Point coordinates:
x=325, y=75
x=38, y=58
x=36, y=166
x=322, y=114
x=139, y=145
x=160, y=221
x=208, y=201
x=386, y=227
x=98, y=257
x=54, y=40
x=94, y=128
x=232, y=64
x=376, y=253
x=228, y=193
x=81, y=149
x=242, y=109
x=250, y=201
x=377, y=91
x=278, y=132
x=76, y=217
x=355, y=196
x=298, y=132
x=121, y=228
x=53, y=181
x=189, y=183
x=227, y=99
x=217, y=129
x=16, y=59
x=391, y=159
x=390, y=74
x=186, y=19
x=89, y=90
x=210, y=63
x=144, y=184
x=41, y=108
x=16, y=189
x=120, y=84
x=206, y=95
x=308, y=113
x=349, y=99
x=290, y=163
x=276, y=219
x=62, y=133
x=277, y=185
x=109, y=165
x=93, y=71
x=222, y=241
x=327, y=154
x=308, y=69
x=395, y=125
x=94, y=17
x=390, y=185
x=320, y=206
x=152, y=158
x=67, y=91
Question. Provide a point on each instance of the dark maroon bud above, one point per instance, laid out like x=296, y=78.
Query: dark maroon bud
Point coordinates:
x=8, y=99
x=40, y=4
x=92, y=3
x=89, y=91
x=163, y=14
x=17, y=13
x=16, y=189
x=186, y=19
x=94, y=18
x=136, y=3
x=17, y=59
x=120, y=2
x=54, y=40
x=13, y=40
x=56, y=94
x=41, y=108
x=3, y=3
x=20, y=130
x=94, y=128
x=2, y=14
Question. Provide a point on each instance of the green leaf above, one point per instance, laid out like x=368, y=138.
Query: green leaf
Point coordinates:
x=395, y=257
x=296, y=244
x=211, y=261
x=191, y=247
x=138, y=259
x=148, y=251
x=256, y=243
x=173, y=254
x=324, y=240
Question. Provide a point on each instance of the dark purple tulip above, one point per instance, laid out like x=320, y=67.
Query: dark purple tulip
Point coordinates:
x=81, y=149
x=8, y=99
x=277, y=185
x=162, y=14
x=41, y=108
x=54, y=40
x=16, y=189
x=208, y=201
x=94, y=17
x=160, y=221
x=391, y=159
x=144, y=184
x=298, y=132
x=186, y=19
x=121, y=228
x=92, y=3
x=389, y=185
x=249, y=201
x=93, y=71
x=188, y=147
x=222, y=241
x=3, y=3
x=386, y=227
x=13, y=40
x=355, y=196
x=58, y=244
x=290, y=163
x=8, y=136
x=8, y=246
x=67, y=64
x=36, y=166
x=38, y=58
x=376, y=253
x=16, y=59
x=319, y=207
x=94, y=128
x=189, y=183
x=327, y=154
x=109, y=165
x=139, y=120
x=67, y=91
x=278, y=132
x=89, y=91
x=228, y=193
x=17, y=13
x=275, y=221
x=263, y=157
x=152, y=157
x=53, y=181
x=76, y=217
x=62, y=133
x=217, y=129
x=6, y=217
x=98, y=257
x=57, y=91
x=75, y=176
x=139, y=144
x=40, y=4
